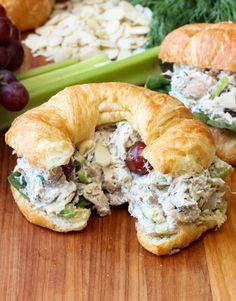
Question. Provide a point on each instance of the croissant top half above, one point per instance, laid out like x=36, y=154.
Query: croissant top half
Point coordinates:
x=47, y=135
x=201, y=45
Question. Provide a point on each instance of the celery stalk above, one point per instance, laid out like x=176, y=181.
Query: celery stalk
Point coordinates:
x=45, y=69
x=49, y=78
x=134, y=70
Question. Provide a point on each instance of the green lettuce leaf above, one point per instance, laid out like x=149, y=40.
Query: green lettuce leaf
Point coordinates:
x=222, y=125
x=158, y=83
x=201, y=116
x=18, y=182
x=218, y=124
x=83, y=203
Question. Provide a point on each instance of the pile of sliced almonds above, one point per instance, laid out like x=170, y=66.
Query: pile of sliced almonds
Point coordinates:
x=85, y=28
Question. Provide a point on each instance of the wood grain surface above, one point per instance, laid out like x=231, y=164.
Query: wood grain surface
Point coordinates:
x=105, y=261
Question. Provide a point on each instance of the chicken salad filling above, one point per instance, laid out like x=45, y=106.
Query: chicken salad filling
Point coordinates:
x=209, y=93
x=99, y=176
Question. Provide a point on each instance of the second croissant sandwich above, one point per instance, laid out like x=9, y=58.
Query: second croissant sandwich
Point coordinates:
x=204, y=77
x=98, y=145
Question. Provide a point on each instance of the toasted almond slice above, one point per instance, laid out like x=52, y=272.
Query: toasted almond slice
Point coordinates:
x=112, y=53
x=112, y=27
x=102, y=155
x=139, y=30
x=62, y=53
x=124, y=43
x=115, y=13
x=123, y=54
x=87, y=52
x=35, y=42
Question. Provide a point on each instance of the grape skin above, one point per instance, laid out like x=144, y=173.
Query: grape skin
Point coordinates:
x=14, y=96
x=135, y=161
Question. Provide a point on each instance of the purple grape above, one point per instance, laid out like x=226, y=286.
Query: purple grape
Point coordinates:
x=4, y=57
x=15, y=33
x=5, y=30
x=14, y=96
x=135, y=161
x=6, y=77
x=16, y=55
x=3, y=12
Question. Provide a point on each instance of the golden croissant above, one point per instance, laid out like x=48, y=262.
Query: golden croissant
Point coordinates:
x=204, y=78
x=96, y=145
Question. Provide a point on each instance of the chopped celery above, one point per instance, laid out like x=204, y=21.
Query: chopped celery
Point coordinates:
x=161, y=228
x=220, y=86
x=70, y=211
x=45, y=69
x=221, y=171
x=83, y=176
x=135, y=70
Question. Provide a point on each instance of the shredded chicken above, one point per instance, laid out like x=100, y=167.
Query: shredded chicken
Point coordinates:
x=159, y=202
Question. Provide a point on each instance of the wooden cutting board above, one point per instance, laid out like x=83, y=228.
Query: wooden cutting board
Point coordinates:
x=105, y=261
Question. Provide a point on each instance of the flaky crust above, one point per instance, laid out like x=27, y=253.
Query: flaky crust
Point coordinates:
x=28, y=14
x=40, y=218
x=225, y=142
x=202, y=45
x=185, y=235
x=47, y=135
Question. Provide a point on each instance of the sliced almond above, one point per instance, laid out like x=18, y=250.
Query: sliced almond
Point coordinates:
x=91, y=26
x=102, y=155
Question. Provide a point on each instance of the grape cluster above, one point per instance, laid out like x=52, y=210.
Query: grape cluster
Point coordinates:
x=13, y=95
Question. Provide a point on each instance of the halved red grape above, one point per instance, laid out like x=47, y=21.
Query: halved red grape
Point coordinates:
x=67, y=169
x=14, y=96
x=135, y=161
x=16, y=55
x=3, y=12
x=7, y=77
x=4, y=57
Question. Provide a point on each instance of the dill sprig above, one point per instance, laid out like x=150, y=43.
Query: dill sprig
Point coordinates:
x=170, y=14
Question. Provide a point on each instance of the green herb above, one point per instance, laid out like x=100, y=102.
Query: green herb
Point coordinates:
x=18, y=182
x=41, y=178
x=170, y=14
x=220, y=86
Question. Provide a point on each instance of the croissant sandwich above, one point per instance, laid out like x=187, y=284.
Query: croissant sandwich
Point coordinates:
x=204, y=78
x=94, y=146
